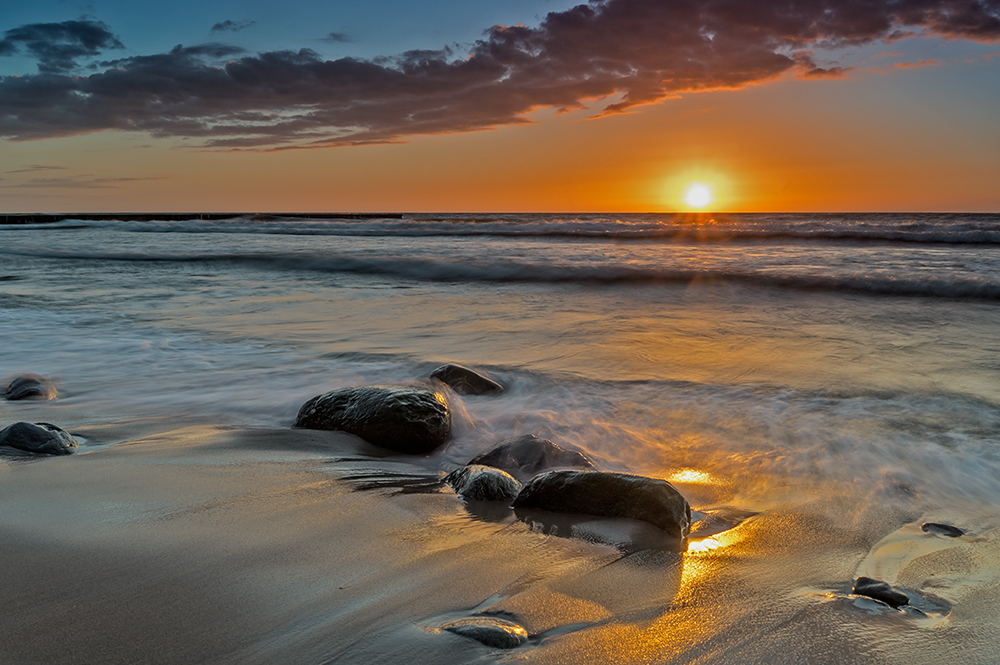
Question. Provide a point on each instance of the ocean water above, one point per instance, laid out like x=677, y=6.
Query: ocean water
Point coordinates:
x=757, y=359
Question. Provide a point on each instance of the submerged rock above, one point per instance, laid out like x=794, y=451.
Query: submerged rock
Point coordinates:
x=649, y=500
x=31, y=386
x=41, y=438
x=942, y=529
x=483, y=483
x=525, y=456
x=465, y=381
x=493, y=632
x=401, y=418
x=866, y=586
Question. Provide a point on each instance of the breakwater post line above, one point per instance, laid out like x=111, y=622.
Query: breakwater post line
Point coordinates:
x=49, y=218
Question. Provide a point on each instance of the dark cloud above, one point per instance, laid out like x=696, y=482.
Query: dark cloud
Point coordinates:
x=58, y=45
x=639, y=51
x=337, y=37
x=231, y=26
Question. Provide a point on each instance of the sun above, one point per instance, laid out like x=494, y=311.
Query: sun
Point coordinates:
x=698, y=196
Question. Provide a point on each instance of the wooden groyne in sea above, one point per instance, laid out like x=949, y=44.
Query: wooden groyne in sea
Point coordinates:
x=48, y=218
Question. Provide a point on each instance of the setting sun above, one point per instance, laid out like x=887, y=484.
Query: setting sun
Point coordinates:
x=698, y=196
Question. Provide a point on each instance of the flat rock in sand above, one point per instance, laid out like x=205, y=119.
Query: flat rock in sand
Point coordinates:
x=942, y=529
x=866, y=586
x=492, y=632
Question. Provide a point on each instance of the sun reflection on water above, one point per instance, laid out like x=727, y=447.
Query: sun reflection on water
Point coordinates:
x=691, y=477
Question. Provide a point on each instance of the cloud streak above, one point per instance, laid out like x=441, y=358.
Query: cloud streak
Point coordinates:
x=231, y=26
x=637, y=51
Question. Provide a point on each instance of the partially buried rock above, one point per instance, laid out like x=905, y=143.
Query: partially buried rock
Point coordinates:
x=525, y=456
x=650, y=500
x=401, y=418
x=866, y=586
x=41, y=438
x=465, y=381
x=942, y=529
x=492, y=632
x=482, y=483
x=31, y=386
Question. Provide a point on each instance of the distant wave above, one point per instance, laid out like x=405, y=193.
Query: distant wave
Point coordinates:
x=952, y=230
x=428, y=269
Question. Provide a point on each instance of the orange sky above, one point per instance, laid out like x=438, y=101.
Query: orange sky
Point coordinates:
x=920, y=138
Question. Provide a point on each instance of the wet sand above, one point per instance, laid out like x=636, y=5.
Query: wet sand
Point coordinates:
x=181, y=543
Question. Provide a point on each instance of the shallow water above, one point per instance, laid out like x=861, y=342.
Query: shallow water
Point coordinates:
x=847, y=365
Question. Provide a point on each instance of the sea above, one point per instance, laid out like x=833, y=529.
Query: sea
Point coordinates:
x=782, y=357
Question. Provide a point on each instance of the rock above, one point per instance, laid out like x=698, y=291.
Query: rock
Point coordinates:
x=866, y=586
x=31, y=386
x=42, y=438
x=493, y=632
x=483, y=483
x=465, y=381
x=649, y=500
x=942, y=529
x=401, y=418
x=525, y=456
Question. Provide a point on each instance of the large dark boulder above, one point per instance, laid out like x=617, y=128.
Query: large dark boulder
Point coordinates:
x=41, y=438
x=524, y=456
x=401, y=418
x=465, y=381
x=31, y=386
x=493, y=632
x=483, y=483
x=650, y=500
x=866, y=586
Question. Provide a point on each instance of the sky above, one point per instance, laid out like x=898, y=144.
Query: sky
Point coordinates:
x=520, y=105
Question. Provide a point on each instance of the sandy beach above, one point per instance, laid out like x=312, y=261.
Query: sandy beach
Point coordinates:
x=213, y=544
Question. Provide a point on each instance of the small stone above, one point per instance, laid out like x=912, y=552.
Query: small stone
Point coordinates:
x=401, y=418
x=866, y=586
x=942, y=529
x=492, y=632
x=649, y=500
x=31, y=386
x=483, y=483
x=525, y=456
x=466, y=381
x=41, y=438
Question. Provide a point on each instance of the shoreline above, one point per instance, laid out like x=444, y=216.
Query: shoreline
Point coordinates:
x=209, y=543
x=50, y=218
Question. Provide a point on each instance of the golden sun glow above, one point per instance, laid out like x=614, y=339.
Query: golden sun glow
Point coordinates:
x=698, y=196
